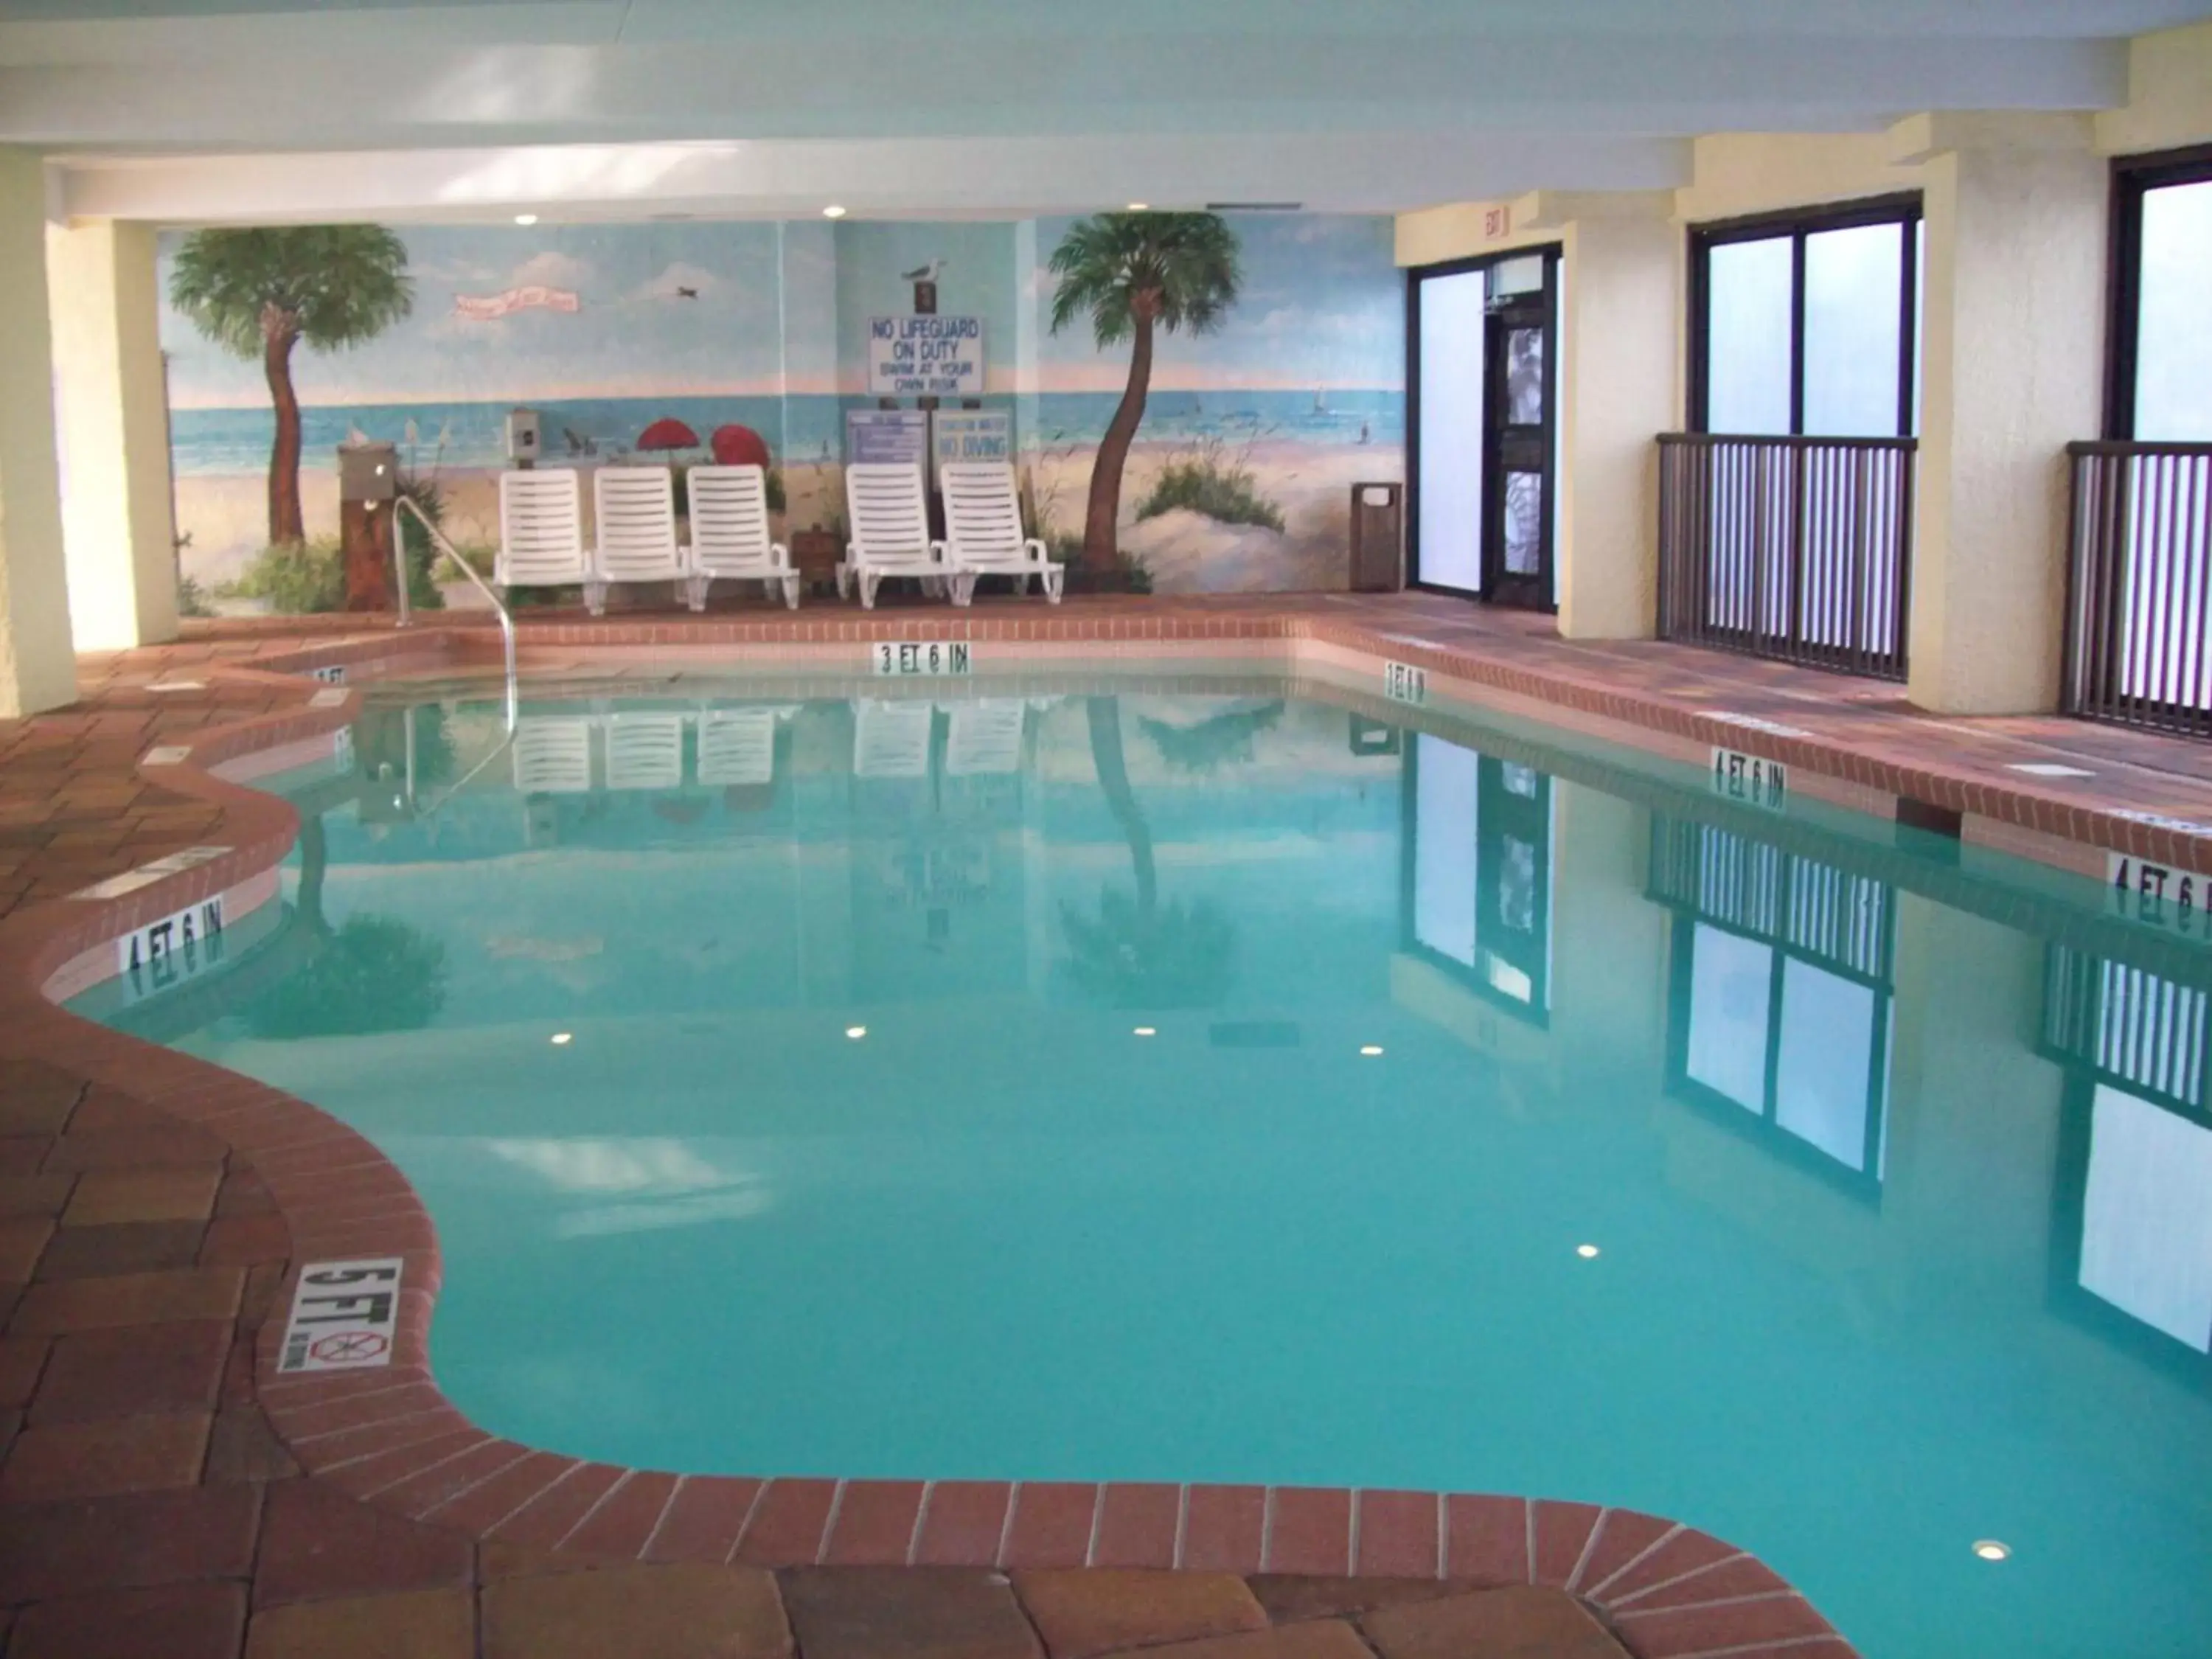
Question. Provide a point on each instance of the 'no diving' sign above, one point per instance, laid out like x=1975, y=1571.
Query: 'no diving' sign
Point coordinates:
x=344, y=1315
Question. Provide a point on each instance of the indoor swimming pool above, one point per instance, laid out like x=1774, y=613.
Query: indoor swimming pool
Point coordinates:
x=1227, y=1078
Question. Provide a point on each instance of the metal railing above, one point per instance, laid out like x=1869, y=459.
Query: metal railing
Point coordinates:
x=507, y=639
x=1799, y=549
x=2139, y=585
x=452, y=555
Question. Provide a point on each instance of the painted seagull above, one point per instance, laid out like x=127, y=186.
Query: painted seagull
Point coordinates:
x=922, y=273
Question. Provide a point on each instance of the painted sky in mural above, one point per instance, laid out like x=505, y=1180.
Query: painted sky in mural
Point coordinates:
x=742, y=309
x=662, y=310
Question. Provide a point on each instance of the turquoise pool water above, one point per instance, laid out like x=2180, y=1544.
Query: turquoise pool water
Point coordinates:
x=1894, y=1160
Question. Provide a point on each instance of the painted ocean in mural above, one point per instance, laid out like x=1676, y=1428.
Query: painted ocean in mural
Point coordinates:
x=811, y=429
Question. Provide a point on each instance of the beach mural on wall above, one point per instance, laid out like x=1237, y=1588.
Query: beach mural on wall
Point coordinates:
x=1236, y=477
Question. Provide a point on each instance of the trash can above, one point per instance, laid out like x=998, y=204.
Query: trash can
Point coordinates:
x=1378, y=537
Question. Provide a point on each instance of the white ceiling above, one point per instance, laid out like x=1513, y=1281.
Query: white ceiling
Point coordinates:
x=230, y=109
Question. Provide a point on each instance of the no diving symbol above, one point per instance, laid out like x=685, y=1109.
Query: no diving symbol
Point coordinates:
x=348, y=1348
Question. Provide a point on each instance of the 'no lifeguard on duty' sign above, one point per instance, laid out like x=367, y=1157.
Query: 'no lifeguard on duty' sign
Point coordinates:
x=925, y=357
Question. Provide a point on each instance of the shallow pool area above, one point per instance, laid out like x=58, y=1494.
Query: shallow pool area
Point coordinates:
x=1223, y=1078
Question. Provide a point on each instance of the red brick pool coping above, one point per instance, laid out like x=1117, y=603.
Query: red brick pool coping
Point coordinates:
x=390, y=1438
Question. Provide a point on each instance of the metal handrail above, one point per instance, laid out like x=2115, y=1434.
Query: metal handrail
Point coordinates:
x=506, y=638
x=499, y=606
x=2128, y=446
x=1785, y=441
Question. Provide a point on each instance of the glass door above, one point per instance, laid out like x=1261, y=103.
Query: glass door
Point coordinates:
x=1517, y=510
x=1450, y=320
x=1482, y=340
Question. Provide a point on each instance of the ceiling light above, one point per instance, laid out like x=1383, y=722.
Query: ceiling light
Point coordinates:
x=1146, y=1030
x=526, y=218
x=833, y=211
x=562, y=1039
x=1989, y=1550
x=1586, y=1251
x=1370, y=1049
x=856, y=1032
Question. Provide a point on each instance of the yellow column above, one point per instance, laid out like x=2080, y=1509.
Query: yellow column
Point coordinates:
x=116, y=518
x=1621, y=331
x=2011, y=362
x=38, y=668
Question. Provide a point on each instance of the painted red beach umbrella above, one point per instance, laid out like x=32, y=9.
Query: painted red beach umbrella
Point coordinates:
x=668, y=433
x=738, y=445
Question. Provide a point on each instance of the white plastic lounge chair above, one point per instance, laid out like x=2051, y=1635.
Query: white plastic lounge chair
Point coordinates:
x=552, y=754
x=983, y=530
x=891, y=739
x=984, y=735
x=730, y=535
x=737, y=746
x=541, y=531
x=633, y=509
x=890, y=530
x=645, y=752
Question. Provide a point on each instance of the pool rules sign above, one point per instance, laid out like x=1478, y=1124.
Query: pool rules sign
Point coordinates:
x=344, y=1315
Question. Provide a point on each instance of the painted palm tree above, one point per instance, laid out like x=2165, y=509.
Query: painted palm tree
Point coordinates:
x=1140, y=953
x=1134, y=274
x=259, y=293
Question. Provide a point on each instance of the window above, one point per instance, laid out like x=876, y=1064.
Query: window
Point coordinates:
x=1808, y=323
x=2161, y=385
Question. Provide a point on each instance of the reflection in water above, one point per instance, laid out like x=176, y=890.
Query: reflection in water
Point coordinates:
x=373, y=974
x=1899, y=1171
x=1140, y=953
x=1780, y=987
x=2135, y=1041
x=1210, y=743
x=1478, y=863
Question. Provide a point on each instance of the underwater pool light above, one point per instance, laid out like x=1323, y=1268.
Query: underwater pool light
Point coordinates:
x=1586, y=1251
x=1370, y=1049
x=562, y=1039
x=1146, y=1031
x=526, y=218
x=856, y=1032
x=1989, y=1550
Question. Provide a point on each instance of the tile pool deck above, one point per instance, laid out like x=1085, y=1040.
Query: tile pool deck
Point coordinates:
x=165, y=1492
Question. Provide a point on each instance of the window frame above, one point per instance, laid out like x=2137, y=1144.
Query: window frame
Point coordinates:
x=2133, y=178
x=1902, y=207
